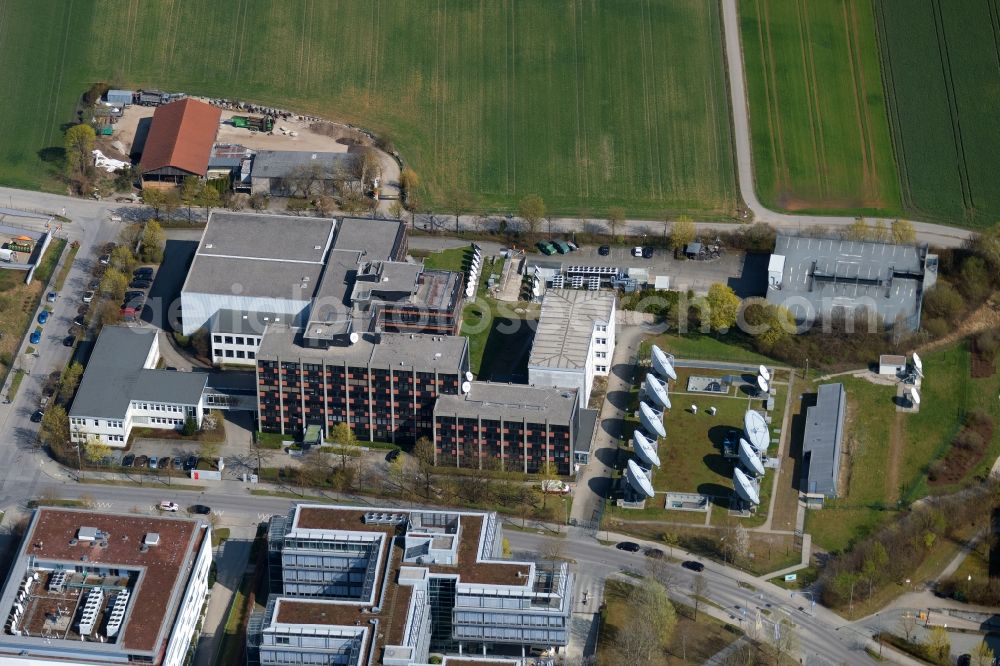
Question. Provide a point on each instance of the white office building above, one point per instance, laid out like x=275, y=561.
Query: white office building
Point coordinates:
x=99, y=588
x=122, y=389
x=575, y=340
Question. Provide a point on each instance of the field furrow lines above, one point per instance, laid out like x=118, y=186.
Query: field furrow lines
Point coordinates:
x=771, y=60
x=858, y=96
x=995, y=27
x=952, y=94
x=809, y=89
x=815, y=87
x=57, y=83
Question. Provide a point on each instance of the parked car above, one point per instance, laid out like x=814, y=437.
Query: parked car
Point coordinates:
x=69, y=341
x=545, y=248
x=153, y=462
x=190, y=463
x=36, y=336
x=128, y=460
x=555, y=486
x=51, y=297
x=647, y=252
x=392, y=455
x=654, y=553
x=637, y=251
x=167, y=505
x=562, y=246
x=94, y=285
x=37, y=416
x=693, y=566
x=200, y=509
x=177, y=462
x=144, y=272
x=105, y=259
x=572, y=245
x=88, y=296
x=129, y=295
x=43, y=317
x=141, y=461
x=628, y=546
x=80, y=320
x=140, y=283
x=604, y=250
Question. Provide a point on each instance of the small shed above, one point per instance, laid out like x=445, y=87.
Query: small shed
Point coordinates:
x=119, y=98
x=891, y=365
x=692, y=249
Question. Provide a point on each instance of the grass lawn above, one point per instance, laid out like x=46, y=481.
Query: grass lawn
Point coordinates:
x=497, y=99
x=60, y=280
x=219, y=536
x=692, y=642
x=730, y=348
x=939, y=62
x=234, y=637
x=455, y=259
x=820, y=132
x=15, y=383
x=18, y=302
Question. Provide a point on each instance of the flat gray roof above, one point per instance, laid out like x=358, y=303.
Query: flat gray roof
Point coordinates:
x=823, y=275
x=377, y=239
x=240, y=322
x=115, y=376
x=280, y=163
x=268, y=237
x=824, y=434
x=566, y=325
x=427, y=353
x=227, y=276
x=510, y=402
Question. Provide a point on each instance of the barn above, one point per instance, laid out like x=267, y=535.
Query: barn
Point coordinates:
x=179, y=143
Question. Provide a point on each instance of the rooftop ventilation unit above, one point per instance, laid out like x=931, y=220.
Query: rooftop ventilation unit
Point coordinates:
x=90, y=610
x=117, y=615
x=87, y=534
x=151, y=539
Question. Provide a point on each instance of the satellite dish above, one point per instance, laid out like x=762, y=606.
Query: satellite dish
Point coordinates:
x=765, y=373
x=750, y=458
x=468, y=376
x=914, y=396
x=466, y=386
x=636, y=477
x=657, y=389
x=645, y=448
x=755, y=428
x=354, y=337
x=662, y=364
x=918, y=364
x=762, y=383
x=744, y=487
x=651, y=420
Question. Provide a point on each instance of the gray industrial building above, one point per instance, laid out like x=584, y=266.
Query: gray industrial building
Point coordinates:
x=822, y=444
x=820, y=280
x=357, y=586
x=299, y=173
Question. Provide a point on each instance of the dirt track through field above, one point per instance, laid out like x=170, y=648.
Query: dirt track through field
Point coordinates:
x=985, y=317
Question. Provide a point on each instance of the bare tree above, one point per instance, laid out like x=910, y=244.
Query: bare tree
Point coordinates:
x=908, y=624
x=699, y=590
x=532, y=210
x=423, y=452
x=635, y=641
x=616, y=217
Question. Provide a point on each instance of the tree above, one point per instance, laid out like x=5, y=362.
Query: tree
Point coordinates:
x=942, y=300
x=460, y=202
x=532, y=210
x=396, y=209
x=200, y=343
x=209, y=198
x=874, y=564
x=844, y=584
x=681, y=233
x=983, y=655
x=784, y=640
x=153, y=240
x=908, y=624
x=409, y=181
x=344, y=438
x=975, y=280
x=69, y=381
x=54, y=432
x=723, y=306
x=190, y=427
x=113, y=284
x=699, y=590
x=94, y=451
x=636, y=640
x=903, y=233
x=79, y=145
x=258, y=201
x=155, y=198
x=423, y=452
x=938, y=644
x=325, y=205
x=370, y=166
x=616, y=217
x=122, y=259
x=880, y=234
x=858, y=230
x=190, y=193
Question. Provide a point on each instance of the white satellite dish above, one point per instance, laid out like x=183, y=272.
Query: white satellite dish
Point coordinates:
x=765, y=373
x=914, y=396
x=468, y=375
x=755, y=428
x=744, y=487
x=637, y=478
x=657, y=389
x=918, y=364
x=466, y=387
x=750, y=458
x=651, y=420
x=645, y=448
x=662, y=364
x=762, y=383
x=354, y=337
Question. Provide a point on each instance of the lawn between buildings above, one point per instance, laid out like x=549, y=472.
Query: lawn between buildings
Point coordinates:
x=495, y=99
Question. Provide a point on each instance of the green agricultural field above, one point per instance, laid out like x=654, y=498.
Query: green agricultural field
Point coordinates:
x=941, y=71
x=589, y=104
x=819, y=128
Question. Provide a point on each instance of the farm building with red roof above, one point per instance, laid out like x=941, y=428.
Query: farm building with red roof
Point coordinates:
x=179, y=143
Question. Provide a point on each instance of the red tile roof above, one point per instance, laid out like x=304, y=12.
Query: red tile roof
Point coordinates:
x=164, y=563
x=181, y=136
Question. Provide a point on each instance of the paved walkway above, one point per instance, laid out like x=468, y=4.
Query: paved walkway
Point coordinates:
x=230, y=562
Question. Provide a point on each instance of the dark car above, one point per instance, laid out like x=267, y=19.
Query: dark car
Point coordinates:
x=392, y=455
x=604, y=250
x=654, y=553
x=140, y=283
x=629, y=546
x=80, y=320
x=37, y=416
x=178, y=462
x=693, y=566
x=128, y=460
x=69, y=341
x=143, y=272
x=141, y=461
x=647, y=252
x=35, y=337
x=190, y=463
x=129, y=295
x=200, y=509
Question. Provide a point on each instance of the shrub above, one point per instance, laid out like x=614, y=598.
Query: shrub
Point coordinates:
x=190, y=427
x=181, y=339
x=944, y=301
x=937, y=328
x=970, y=440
